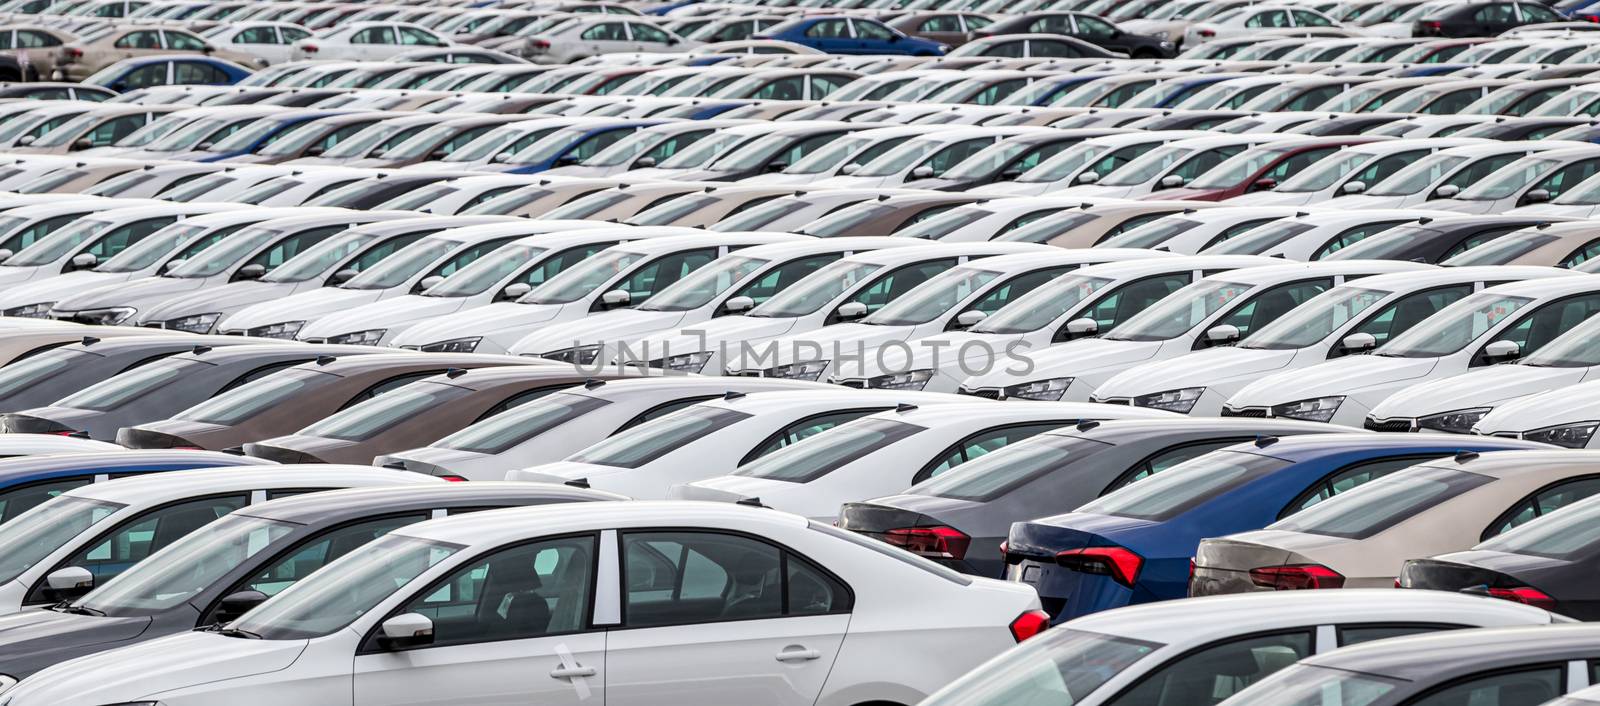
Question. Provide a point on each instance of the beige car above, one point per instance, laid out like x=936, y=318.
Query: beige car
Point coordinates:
x=97, y=128
x=1094, y=223
x=76, y=60
x=624, y=200
x=1359, y=538
x=79, y=176
x=1554, y=245
x=41, y=44
x=712, y=204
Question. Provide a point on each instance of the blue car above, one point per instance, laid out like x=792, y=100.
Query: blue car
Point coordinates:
x=570, y=145
x=257, y=134
x=130, y=74
x=31, y=480
x=837, y=34
x=1135, y=544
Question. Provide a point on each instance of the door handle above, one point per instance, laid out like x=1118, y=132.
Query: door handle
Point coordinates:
x=569, y=672
x=798, y=655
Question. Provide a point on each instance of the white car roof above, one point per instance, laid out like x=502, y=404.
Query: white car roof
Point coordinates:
x=802, y=402
x=1006, y=412
x=1547, y=287
x=164, y=487
x=1227, y=214
x=1225, y=139
x=495, y=527
x=30, y=444
x=1403, y=145
x=1431, y=277
x=702, y=239
x=811, y=246
x=1132, y=269
x=1141, y=137
x=1273, y=274
x=1335, y=218
x=687, y=386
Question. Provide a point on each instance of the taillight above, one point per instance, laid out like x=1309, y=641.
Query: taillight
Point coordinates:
x=454, y=479
x=931, y=542
x=1296, y=577
x=1435, y=27
x=1587, y=18
x=1120, y=564
x=308, y=48
x=1207, y=33
x=540, y=44
x=73, y=53
x=1526, y=596
x=1029, y=624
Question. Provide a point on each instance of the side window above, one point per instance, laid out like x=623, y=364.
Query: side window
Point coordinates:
x=416, y=37
x=646, y=33
x=1351, y=236
x=1203, y=162
x=886, y=288
x=1023, y=220
x=184, y=42
x=1475, y=239
x=1401, y=315
x=148, y=75
x=1347, y=478
x=256, y=35
x=784, y=275
x=1525, y=686
x=143, y=39
x=829, y=29
x=955, y=154
x=1583, y=254
x=1052, y=49
x=1164, y=459
x=1476, y=172
x=1214, y=673
x=1544, y=324
x=655, y=276
x=605, y=32
x=799, y=150
x=1496, y=14
x=293, y=245
x=1016, y=287
x=784, y=89
x=389, y=385
x=1271, y=18
x=193, y=72
x=522, y=592
x=802, y=430
x=1544, y=502
x=1266, y=307
x=941, y=23
x=115, y=129
x=1009, y=50
x=823, y=84
x=1562, y=179
x=980, y=444
x=22, y=498
x=1095, y=29
x=142, y=535
x=383, y=250
x=1309, y=19
x=1116, y=307
x=872, y=30
x=682, y=578
x=374, y=35
x=1357, y=634
x=29, y=38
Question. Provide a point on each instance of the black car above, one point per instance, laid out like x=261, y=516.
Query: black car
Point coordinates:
x=1550, y=562
x=374, y=190
x=1534, y=128
x=1435, y=240
x=1006, y=160
x=1093, y=29
x=45, y=377
x=229, y=566
x=1482, y=19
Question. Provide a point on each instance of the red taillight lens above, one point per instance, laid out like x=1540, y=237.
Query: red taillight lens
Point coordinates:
x=541, y=44
x=308, y=48
x=1296, y=577
x=1029, y=624
x=74, y=53
x=1525, y=596
x=1433, y=26
x=1120, y=564
x=1207, y=33
x=930, y=542
x=454, y=479
x=1587, y=18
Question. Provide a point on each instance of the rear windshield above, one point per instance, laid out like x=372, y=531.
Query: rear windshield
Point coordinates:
x=249, y=399
x=1185, y=486
x=123, y=388
x=818, y=456
x=1385, y=502
x=995, y=474
x=1059, y=668
x=379, y=414
x=1572, y=533
x=654, y=439
x=521, y=423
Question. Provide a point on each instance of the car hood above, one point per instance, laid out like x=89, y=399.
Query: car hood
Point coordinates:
x=1182, y=194
x=612, y=328
x=1573, y=404
x=1362, y=201
x=1459, y=206
x=563, y=471
x=227, y=298
x=823, y=343
x=730, y=329
x=22, y=634
x=1336, y=377
x=943, y=351
x=477, y=321
x=729, y=489
x=55, y=289
x=1268, y=198
x=388, y=313
x=1091, y=358
x=1481, y=387
x=140, y=294
x=304, y=306
x=144, y=671
x=1197, y=369
x=13, y=276
x=1555, y=209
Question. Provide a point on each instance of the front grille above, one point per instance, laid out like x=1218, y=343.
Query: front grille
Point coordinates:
x=1386, y=424
x=858, y=383
x=1117, y=400
x=1507, y=435
x=1244, y=412
x=986, y=393
x=156, y=324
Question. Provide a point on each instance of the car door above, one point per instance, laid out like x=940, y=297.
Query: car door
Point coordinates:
x=511, y=628
x=831, y=36
x=759, y=621
x=1494, y=18
x=606, y=38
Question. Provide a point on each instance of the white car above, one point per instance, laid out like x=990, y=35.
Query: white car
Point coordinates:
x=1216, y=644
x=1315, y=234
x=1439, y=176
x=502, y=276
x=1189, y=233
x=1350, y=319
x=885, y=453
x=1172, y=165
x=1000, y=219
x=558, y=425
x=1537, y=178
x=954, y=300
x=87, y=535
x=646, y=147
x=367, y=41
x=924, y=157
x=1248, y=20
x=414, y=269
x=1218, y=310
x=597, y=36
x=81, y=241
x=713, y=438
x=295, y=188
x=268, y=41
x=846, y=155
x=1351, y=170
x=1563, y=416
x=12, y=445
x=1495, y=325
x=1097, y=156
x=732, y=284
x=457, y=195
x=837, y=628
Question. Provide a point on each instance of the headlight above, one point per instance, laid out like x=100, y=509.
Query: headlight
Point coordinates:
x=686, y=363
x=31, y=311
x=454, y=345
x=1316, y=409
x=810, y=370
x=1162, y=35
x=285, y=329
x=913, y=380
x=1572, y=436
x=1045, y=390
x=369, y=337
x=1457, y=422
x=199, y=323
x=579, y=355
x=106, y=317
x=1166, y=45
x=1180, y=400
x=944, y=48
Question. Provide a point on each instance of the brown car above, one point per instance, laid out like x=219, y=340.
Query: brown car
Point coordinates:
x=952, y=28
x=885, y=215
x=712, y=204
x=624, y=200
x=1567, y=244
x=77, y=59
x=281, y=403
x=1091, y=224
x=423, y=412
x=535, y=200
x=97, y=128
x=40, y=43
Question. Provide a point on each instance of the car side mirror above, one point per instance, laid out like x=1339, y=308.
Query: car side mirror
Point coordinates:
x=5, y=254
x=849, y=169
x=204, y=146
x=82, y=261
x=119, y=86
x=1355, y=187
x=315, y=151
x=405, y=630
x=514, y=291
x=237, y=604
x=1172, y=181
x=672, y=41
x=501, y=158
x=82, y=144
x=437, y=155
x=1222, y=334
x=25, y=140
x=894, y=38
x=644, y=163
x=1536, y=196
x=968, y=319
x=1446, y=191
x=1010, y=174
x=1078, y=328
x=69, y=583
x=1088, y=177
x=615, y=298
x=923, y=172
x=1358, y=342
x=850, y=311
x=251, y=271
x=1502, y=350
x=172, y=265
x=738, y=305
x=777, y=166
x=1264, y=185
x=207, y=49
x=566, y=160
x=429, y=281
x=342, y=276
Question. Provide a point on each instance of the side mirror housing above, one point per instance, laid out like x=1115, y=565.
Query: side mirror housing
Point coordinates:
x=1078, y=328
x=615, y=298
x=82, y=143
x=251, y=271
x=1536, y=196
x=1447, y=191
x=849, y=169
x=238, y=603
x=437, y=155
x=1502, y=350
x=170, y=266
x=1172, y=181
x=405, y=630
x=1264, y=185
x=25, y=140
x=514, y=291
x=69, y=583
x=1010, y=174
x=850, y=311
x=1088, y=177
x=82, y=261
x=342, y=276
x=1222, y=334
x=738, y=305
x=501, y=158
x=1358, y=342
x=644, y=163
x=1355, y=187
x=429, y=281
x=923, y=172
x=777, y=166
x=969, y=318
x=204, y=146
x=5, y=253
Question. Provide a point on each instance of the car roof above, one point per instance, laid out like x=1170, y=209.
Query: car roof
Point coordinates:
x=1121, y=431
x=495, y=527
x=1015, y=411
x=1155, y=265
x=251, y=352
x=1549, y=286
x=804, y=400
x=1417, y=279
x=1437, y=657
x=694, y=238
x=1272, y=274
x=1504, y=464
x=1310, y=446
x=162, y=487
x=335, y=506
x=22, y=466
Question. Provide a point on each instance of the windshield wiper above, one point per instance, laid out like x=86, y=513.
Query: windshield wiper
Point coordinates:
x=232, y=632
x=69, y=608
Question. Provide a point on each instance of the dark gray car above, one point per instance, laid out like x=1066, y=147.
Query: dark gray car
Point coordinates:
x=1051, y=473
x=49, y=376
x=235, y=563
x=160, y=389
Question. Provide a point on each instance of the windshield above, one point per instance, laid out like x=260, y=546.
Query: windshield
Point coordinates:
x=344, y=590
x=1579, y=347
x=901, y=158
x=215, y=259
x=1382, y=503
x=34, y=535
x=39, y=367
x=760, y=216
x=833, y=154
x=1502, y=250
x=675, y=209
x=312, y=262
x=1316, y=319
x=186, y=567
x=1260, y=239
x=425, y=141
x=396, y=269
x=814, y=291
x=1182, y=311
x=1509, y=180
x=658, y=437
x=1064, y=164
x=1152, y=234
x=1323, y=174
x=1147, y=167
x=583, y=279
x=1038, y=308
x=1178, y=489
x=1420, y=175
x=932, y=298
x=157, y=245
x=989, y=161
x=944, y=224
x=379, y=414
x=704, y=284
x=704, y=150
x=1000, y=472
x=114, y=392
x=817, y=456
x=382, y=133
x=1455, y=327
x=479, y=276
x=1059, y=668
x=56, y=245
x=1310, y=685
x=1237, y=169
x=521, y=423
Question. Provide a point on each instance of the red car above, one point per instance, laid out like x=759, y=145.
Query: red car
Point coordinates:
x=1260, y=168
